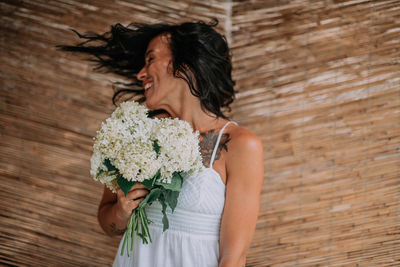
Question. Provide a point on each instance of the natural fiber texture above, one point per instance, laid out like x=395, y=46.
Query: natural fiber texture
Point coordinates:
x=318, y=81
x=52, y=103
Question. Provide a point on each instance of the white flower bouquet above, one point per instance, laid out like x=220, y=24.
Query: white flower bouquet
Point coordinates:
x=130, y=147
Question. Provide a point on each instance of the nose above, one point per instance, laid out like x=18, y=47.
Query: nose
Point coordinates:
x=142, y=74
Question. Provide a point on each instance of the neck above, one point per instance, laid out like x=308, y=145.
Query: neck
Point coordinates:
x=189, y=109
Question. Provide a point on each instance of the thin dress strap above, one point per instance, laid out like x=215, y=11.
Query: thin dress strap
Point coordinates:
x=217, y=143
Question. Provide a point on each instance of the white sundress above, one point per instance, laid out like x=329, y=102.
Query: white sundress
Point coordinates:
x=192, y=238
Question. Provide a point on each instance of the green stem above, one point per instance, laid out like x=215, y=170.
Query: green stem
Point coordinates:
x=123, y=245
x=146, y=224
x=133, y=220
x=127, y=233
x=129, y=228
x=138, y=223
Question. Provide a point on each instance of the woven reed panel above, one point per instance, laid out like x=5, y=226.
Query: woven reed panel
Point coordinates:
x=51, y=104
x=319, y=82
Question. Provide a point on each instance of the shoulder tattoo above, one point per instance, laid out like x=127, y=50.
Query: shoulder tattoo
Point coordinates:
x=207, y=143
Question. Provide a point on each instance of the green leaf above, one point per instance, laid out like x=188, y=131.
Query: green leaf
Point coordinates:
x=165, y=218
x=165, y=222
x=124, y=184
x=109, y=166
x=171, y=197
x=150, y=182
x=100, y=172
x=152, y=196
x=156, y=147
x=175, y=185
x=153, y=113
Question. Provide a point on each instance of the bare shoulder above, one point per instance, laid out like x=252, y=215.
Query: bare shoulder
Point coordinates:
x=243, y=142
x=244, y=160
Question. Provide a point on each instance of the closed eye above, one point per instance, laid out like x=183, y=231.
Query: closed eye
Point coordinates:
x=149, y=56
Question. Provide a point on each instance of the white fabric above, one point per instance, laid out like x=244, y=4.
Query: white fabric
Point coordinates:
x=193, y=234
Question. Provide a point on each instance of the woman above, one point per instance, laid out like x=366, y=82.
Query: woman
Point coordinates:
x=185, y=71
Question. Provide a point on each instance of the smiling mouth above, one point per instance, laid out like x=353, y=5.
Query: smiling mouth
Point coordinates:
x=147, y=86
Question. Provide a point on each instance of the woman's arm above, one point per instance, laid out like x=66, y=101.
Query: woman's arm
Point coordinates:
x=116, y=209
x=245, y=171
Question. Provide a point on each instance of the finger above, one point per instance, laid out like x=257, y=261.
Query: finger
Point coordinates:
x=120, y=193
x=134, y=187
x=134, y=203
x=139, y=186
x=138, y=193
x=121, y=196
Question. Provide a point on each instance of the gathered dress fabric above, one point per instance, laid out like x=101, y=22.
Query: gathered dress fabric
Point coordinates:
x=192, y=238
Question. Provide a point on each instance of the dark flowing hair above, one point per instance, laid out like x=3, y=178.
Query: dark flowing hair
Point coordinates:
x=200, y=56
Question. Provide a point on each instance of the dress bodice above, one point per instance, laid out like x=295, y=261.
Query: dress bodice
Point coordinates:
x=199, y=208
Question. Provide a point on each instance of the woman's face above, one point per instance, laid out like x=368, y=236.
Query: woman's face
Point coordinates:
x=161, y=87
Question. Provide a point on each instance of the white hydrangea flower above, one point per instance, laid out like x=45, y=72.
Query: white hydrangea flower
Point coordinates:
x=179, y=148
x=126, y=139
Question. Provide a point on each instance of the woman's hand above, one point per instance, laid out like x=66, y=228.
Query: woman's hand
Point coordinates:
x=116, y=209
x=125, y=204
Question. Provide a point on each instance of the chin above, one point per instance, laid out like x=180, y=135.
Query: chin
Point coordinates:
x=146, y=103
x=150, y=105
x=153, y=102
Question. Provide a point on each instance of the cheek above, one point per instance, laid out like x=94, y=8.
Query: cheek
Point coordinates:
x=167, y=80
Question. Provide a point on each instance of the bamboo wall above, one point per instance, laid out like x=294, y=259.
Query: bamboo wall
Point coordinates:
x=318, y=81
x=52, y=103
